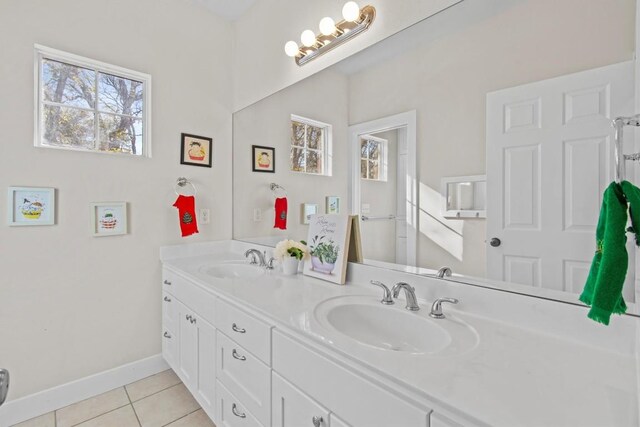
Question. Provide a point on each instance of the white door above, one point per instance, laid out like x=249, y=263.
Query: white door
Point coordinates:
x=206, y=365
x=188, y=348
x=549, y=159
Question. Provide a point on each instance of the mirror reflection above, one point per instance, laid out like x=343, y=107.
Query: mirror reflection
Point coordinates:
x=479, y=139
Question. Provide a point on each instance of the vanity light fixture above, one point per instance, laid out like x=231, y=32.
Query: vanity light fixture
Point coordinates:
x=332, y=34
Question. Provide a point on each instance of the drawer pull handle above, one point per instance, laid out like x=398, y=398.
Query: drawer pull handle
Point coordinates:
x=237, y=413
x=166, y=282
x=238, y=330
x=167, y=299
x=317, y=421
x=188, y=317
x=167, y=335
x=193, y=320
x=235, y=355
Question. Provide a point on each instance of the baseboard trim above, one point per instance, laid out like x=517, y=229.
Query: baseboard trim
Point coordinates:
x=34, y=405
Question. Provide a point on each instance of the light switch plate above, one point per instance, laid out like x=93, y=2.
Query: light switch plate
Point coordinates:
x=257, y=214
x=205, y=216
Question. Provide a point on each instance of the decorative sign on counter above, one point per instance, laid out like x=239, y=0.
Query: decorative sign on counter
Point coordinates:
x=329, y=241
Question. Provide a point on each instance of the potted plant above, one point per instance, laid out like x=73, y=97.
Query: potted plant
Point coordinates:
x=290, y=253
x=324, y=255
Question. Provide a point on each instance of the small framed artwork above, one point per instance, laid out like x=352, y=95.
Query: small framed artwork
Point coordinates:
x=332, y=205
x=196, y=150
x=109, y=219
x=307, y=210
x=263, y=159
x=31, y=206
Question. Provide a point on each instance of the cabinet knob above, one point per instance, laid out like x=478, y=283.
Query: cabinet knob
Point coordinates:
x=167, y=299
x=237, y=413
x=188, y=317
x=238, y=330
x=235, y=355
x=317, y=421
x=193, y=320
x=167, y=335
x=166, y=282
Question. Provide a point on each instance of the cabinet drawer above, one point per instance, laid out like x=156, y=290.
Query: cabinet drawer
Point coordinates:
x=293, y=408
x=230, y=412
x=170, y=348
x=197, y=299
x=341, y=390
x=251, y=333
x=169, y=310
x=245, y=376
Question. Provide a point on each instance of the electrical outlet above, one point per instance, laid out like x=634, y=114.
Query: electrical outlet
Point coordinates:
x=257, y=214
x=205, y=216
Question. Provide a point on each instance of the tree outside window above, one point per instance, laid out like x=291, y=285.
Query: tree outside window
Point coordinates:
x=310, y=146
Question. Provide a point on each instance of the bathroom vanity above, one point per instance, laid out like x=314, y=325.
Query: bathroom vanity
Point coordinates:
x=257, y=348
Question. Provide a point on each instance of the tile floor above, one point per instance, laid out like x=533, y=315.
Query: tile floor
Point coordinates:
x=157, y=401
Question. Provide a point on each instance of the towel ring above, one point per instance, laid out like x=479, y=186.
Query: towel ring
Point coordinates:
x=275, y=187
x=181, y=183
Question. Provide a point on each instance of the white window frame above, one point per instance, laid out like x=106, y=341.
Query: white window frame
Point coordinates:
x=383, y=162
x=327, y=151
x=44, y=52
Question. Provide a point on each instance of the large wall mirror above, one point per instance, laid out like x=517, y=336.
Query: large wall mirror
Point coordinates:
x=517, y=95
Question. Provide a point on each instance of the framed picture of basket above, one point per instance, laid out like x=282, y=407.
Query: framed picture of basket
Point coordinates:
x=31, y=206
x=109, y=219
x=195, y=150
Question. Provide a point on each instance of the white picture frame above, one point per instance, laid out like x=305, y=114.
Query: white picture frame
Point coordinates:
x=108, y=219
x=332, y=205
x=28, y=206
x=308, y=209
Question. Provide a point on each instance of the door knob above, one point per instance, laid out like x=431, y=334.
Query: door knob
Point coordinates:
x=317, y=421
x=495, y=242
x=4, y=385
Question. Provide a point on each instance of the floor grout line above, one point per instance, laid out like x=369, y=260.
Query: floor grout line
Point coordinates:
x=153, y=394
x=105, y=413
x=132, y=408
x=184, y=416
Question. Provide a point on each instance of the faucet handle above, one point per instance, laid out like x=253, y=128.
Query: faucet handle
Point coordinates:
x=386, y=298
x=436, y=308
x=269, y=264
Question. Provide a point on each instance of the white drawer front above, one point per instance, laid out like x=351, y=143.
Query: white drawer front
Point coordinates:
x=230, y=412
x=169, y=310
x=248, y=378
x=198, y=300
x=341, y=390
x=251, y=333
x=170, y=348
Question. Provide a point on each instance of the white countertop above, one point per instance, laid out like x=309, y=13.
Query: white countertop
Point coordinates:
x=513, y=377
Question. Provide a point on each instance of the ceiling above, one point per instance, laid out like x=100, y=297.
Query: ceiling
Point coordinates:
x=227, y=9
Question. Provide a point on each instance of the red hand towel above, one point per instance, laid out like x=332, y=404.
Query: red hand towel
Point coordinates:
x=281, y=213
x=187, y=214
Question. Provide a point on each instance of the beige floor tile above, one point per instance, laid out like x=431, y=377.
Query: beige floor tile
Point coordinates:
x=164, y=407
x=195, y=419
x=91, y=408
x=46, y=420
x=152, y=384
x=123, y=417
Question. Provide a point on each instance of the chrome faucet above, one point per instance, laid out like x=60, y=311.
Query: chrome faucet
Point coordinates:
x=443, y=272
x=386, y=296
x=436, y=308
x=256, y=256
x=410, y=295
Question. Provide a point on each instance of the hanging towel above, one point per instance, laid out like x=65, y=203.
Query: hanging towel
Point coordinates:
x=187, y=214
x=603, y=289
x=281, y=213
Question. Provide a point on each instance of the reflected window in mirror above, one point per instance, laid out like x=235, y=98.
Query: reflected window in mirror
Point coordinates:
x=373, y=158
x=310, y=146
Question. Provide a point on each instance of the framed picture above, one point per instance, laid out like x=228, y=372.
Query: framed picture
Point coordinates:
x=332, y=205
x=196, y=150
x=329, y=242
x=109, y=219
x=263, y=159
x=31, y=206
x=308, y=209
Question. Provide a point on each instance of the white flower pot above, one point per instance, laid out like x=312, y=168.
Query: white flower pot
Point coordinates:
x=290, y=266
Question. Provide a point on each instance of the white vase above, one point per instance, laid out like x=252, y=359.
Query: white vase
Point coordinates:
x=290, y=266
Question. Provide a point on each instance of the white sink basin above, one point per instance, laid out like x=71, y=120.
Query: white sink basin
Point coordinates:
x=366, y=321
x=233, y=270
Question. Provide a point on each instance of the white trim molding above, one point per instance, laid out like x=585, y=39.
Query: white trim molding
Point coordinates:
x=34, y=405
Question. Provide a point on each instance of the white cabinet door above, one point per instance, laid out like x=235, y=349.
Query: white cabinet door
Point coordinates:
x=549, y=159
x=170, y=347
x=206, y=394
x=293, y=408
x=188, y=348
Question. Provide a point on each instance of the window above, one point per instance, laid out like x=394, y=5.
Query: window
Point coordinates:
x=310, y=146
x=91, y=106
x=373, y=158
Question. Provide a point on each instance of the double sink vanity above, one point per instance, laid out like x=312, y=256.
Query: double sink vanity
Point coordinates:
x=257, y=348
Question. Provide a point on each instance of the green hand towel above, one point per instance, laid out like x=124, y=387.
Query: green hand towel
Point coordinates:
x=603, y=290
x=632, y=194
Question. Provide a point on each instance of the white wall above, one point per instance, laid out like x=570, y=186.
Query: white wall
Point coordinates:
x=447, y=79
x=71, y=304
x=260, y=66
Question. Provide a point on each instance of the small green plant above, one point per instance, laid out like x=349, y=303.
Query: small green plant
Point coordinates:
x=326, y=252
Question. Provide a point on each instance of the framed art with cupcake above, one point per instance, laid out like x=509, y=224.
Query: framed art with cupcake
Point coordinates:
x=196, y=150
x=109, y=219
x=31, y=206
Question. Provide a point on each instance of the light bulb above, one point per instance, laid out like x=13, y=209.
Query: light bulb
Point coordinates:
x=308, y=38
x=291, y=48
x=327, y=26
x=351, y=11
